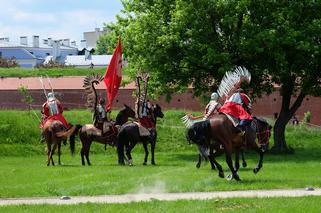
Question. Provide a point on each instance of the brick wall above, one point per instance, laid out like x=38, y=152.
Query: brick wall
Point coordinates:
x=266, y=106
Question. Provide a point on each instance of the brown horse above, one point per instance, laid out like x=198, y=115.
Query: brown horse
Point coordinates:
x=221, y=130
x=89, y=133
x=54, y=133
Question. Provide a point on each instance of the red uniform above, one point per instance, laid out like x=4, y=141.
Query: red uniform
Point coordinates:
x=57, y=116
x=234, y=106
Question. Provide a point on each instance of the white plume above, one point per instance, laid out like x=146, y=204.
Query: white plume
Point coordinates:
x=232, y=80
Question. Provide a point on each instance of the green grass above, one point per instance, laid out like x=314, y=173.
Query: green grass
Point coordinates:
x=248, y=205
x=54, y=72
x=23, y=170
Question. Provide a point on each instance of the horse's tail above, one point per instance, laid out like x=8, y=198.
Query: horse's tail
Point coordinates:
x=72, y=138
x=197, y=132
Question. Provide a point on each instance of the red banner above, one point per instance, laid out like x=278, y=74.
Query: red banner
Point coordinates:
x=113, y=75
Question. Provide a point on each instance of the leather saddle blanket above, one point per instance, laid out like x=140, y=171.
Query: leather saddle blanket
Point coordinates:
x=235, y=121
x=143, y=131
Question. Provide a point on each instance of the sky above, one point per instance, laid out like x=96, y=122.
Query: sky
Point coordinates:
x=57, y=19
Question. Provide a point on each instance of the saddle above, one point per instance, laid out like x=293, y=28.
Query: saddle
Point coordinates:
x=250, y=131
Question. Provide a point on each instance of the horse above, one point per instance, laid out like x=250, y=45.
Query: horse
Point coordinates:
x=129, y=136
x=221, y=130
x=88, y=133
x=54, y=133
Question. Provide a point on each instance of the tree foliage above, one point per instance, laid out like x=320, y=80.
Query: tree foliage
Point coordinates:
x=188, y=42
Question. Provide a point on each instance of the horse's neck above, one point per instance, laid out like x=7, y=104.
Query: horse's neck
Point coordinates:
x=121, y=118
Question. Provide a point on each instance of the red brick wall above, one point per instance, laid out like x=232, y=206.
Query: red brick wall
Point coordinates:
x=265, y=106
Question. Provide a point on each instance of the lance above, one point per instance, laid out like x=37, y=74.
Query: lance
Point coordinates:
x=50, y=85
x=43, y=87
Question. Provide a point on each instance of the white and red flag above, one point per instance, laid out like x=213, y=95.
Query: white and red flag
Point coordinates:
x=113, y=75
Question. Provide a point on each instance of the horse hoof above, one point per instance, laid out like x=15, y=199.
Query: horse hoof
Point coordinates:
x=144, y=163
x=229, y=177
x=256, y=170
x=244, y=165
x=236, y=177
x=198, y=165
x=130, y=162
x=221, y=174
x=154, y=164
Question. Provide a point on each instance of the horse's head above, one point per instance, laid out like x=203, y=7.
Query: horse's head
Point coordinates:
x=157, y=110
x=129, y=111
x=263, y=132
x=196, y=134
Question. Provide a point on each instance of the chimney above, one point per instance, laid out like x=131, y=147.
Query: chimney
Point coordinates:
x=66, y=42
x=55, y=49
x=45, y=41
x=35, y=41
x=73, y=43
x=5, y=39
x=23, y=40
x=50, y=41
x=83, y=44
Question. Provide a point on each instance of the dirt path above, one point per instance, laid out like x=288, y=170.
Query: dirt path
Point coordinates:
x=126, y=198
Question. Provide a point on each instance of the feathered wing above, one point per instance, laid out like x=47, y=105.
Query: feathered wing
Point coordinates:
x=231, y=81
x=89, y=85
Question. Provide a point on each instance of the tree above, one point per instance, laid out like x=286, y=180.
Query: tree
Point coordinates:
x=188, y=42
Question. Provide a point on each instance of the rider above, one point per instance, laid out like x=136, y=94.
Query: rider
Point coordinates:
x=102, y=120
x=212, y=107
x=147, y=115
x=52, y=109
x=239, y=105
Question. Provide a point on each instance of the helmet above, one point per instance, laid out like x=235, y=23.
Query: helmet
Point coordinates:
x=214, y=96
x=51, y=96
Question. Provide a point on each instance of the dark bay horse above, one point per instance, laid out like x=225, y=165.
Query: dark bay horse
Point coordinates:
x=129, y=136
x=89, y=133
x=54, y=133
x=221, y=130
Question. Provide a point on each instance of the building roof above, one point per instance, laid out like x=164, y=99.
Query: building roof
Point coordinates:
x=41, y=45
x=59, y=83
x=18, y=53
x=80, y=60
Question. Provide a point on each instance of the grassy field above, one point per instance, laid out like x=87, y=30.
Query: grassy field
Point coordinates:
x=56, y=72
x=248, y=205
x=24, y=172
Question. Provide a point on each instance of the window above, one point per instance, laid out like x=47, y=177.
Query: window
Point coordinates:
x=0, y=54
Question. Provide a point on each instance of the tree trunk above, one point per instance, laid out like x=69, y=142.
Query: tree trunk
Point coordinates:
x=286, y=114
x=280, y=145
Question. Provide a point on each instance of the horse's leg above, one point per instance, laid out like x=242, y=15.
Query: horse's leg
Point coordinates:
x=244, y=164
x=86, y=150
x=152, y=148
x=261, y=153
x=198, y=165
x=237, y=159
x=228, y=154
x=59, y=152
x=146, y=152
x=218, y=166
x=52, y=153
x=48, y=153
x=211, y=158
x=129, y=148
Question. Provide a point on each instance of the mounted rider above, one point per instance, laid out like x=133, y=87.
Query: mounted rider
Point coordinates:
x=52, y=109
x=212, y=107
x=102, y=118
x=146, y=116
x=239, y=106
